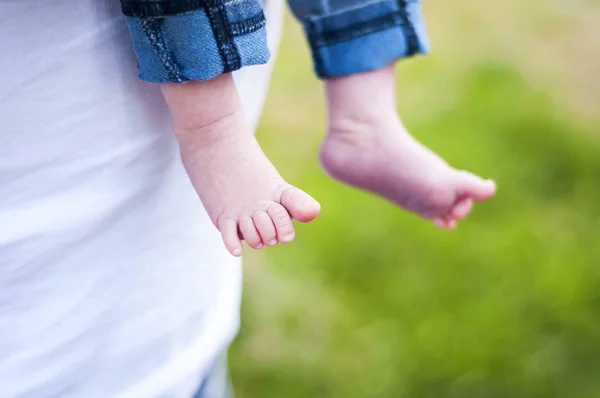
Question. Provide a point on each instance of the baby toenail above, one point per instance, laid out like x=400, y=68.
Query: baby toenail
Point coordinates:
x=272, y=242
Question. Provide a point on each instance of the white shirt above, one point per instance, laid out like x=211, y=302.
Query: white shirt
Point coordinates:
x=113, y=281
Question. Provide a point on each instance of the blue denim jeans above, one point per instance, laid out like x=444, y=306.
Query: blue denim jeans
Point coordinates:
x=217, y=384
x=179, y=40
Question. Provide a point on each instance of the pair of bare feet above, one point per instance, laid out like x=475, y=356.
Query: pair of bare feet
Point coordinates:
x=366, y=146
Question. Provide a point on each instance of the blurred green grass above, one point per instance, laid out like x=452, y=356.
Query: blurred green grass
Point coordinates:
x=373, y=302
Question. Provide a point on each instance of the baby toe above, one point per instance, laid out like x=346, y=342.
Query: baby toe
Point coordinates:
x=250, y=233
x=462, y=208
x=299, y=204
x=229, y=232
x=439, y=222
x=283, y=223
x=445, y=222
x=265, y=227
x=475, y=187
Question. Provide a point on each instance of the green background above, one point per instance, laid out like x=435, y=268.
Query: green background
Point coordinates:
x=373, y=302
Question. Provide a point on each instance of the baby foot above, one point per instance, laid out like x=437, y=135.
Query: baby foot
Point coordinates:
x=383, y=158
x=240, y=189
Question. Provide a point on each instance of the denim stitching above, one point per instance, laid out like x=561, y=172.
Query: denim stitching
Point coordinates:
x=159, y=8
x=151, y=27
x=311, y=30
x=398, y=18
x=412, y=40
x=163, y=8
x=249, y=25
x=352, y=32
x=222, y=29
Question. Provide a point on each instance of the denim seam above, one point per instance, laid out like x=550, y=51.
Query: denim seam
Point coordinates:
x=151, y=27
x=317, y=56
x=249, y=25
x=395, y=19
x=222, y=29
x=160, y=8
x=412, y=40
x=383, y=22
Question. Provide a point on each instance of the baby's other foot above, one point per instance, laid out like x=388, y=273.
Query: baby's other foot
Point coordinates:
x=383, y=158
x=368, y=147
x=240, y=189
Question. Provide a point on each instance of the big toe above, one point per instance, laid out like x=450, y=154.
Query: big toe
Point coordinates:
x=475, y=187
x=300, y=205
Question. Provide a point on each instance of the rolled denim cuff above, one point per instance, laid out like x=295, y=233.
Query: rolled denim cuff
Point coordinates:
x=366, y=37
x=206, y=39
